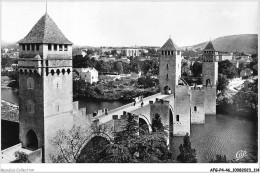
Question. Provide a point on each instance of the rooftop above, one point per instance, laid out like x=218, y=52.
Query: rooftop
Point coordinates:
x=209, y=47
x=45, y=31
x=169, y=45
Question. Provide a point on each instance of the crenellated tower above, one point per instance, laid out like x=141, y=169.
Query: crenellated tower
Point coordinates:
x=170, y=67
x=45, y=85
x=210, y=77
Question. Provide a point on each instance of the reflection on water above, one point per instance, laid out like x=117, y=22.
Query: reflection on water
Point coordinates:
x=221, y=134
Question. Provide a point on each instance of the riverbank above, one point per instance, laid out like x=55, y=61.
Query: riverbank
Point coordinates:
x=116, y=94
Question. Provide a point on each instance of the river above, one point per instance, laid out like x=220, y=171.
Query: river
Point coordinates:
x=221, y=134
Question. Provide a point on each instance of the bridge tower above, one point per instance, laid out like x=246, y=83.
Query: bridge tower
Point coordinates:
x=170, y=67
x=169, y=76
x=210, y=77
x=45, y=85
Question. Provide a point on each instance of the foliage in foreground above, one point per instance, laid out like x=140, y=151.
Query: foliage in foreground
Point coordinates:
x=187, y=154
x=223, y=159
x=130, y=147
x=21, y=157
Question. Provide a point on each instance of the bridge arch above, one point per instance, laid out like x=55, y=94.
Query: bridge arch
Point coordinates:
x=91, y=147
x=145, y=120
x=184, y=81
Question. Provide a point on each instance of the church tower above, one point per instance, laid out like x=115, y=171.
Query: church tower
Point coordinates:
x=45, y=85
x=210, y=77
x=170, y=67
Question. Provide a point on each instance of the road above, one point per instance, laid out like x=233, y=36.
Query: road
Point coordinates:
x=235, y=83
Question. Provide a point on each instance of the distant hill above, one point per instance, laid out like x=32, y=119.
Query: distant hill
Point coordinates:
x=247, y=43
x=9, y=45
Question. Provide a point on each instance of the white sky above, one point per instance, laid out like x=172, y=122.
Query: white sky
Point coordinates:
x=133, y=23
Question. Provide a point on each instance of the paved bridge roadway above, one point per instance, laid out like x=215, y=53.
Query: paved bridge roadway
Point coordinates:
x=128, y=108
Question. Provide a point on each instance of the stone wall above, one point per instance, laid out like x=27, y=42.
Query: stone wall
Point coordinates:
x=31, y=119
x=170, y=71
x=181, y=110
x=210, y=100
x=58, y=107
x=162, y=108
x=171, y=65
x=197, y=106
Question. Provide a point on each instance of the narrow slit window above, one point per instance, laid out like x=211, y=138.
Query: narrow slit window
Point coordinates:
x=178, y=118
x=55, y=47
x=60, y=47
x=37, y=46
x=49, y=47
x=195, y=108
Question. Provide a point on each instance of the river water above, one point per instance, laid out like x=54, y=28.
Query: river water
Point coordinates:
x=221, y=134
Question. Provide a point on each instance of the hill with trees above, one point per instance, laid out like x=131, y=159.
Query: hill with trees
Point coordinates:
x=246, y=43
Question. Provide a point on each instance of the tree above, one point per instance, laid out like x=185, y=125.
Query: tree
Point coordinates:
x=157, y=123
x=68, y=144
x=187, y=154
x=223, y=159
x=219, y=159
x=129, y=147
x=196, y=68
x=21, y=157
x=118, y=67
x=246, y=99
x=227, y=68
x=222, y=82
x=254, y=64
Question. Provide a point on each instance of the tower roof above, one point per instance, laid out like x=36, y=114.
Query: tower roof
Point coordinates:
x=169, y=45
x=209, y=47
x=45, y=31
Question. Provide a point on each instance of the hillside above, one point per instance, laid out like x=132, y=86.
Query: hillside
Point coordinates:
x=246, y=43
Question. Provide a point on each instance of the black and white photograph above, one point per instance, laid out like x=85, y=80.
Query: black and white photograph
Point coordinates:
x=102, y=86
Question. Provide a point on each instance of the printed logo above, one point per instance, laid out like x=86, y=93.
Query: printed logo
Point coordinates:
x=240, y=154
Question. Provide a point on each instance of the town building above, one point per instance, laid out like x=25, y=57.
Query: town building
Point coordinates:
x=225, y=56
x=131, y=52
x=89, y=75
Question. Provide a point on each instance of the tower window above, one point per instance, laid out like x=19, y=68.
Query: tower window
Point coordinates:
x=49, y=47
x=195, y=108
x=55, y=47
x=167, y=67
x=30, y=106
x=58, y=108
x=178, y=118
x=178, y=52
x=37, y=46
x=172, y=52
x=162, y=52
x=23, y=46
x=28, y=47
x=30, y=83
x=60, y=47
x=65, y=47
x=33, y=47
x=167, y=76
